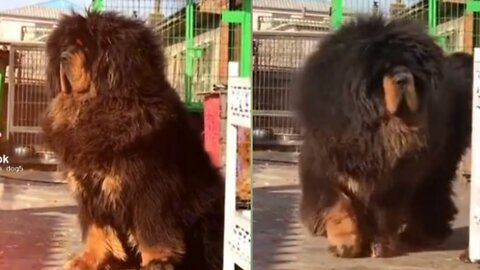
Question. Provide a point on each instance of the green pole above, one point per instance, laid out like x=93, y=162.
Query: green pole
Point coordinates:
x=432, y=16
x=246, y=42
x=98, y=5
x=337, y=14
x=189, y=43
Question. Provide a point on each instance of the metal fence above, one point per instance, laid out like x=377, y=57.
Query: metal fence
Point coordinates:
x=197, y=41
x=285, y=34
x=197, y=44
x=27, y=98
x=276, y=58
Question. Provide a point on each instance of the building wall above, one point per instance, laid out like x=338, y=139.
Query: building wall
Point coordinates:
x=267, y=20
x=455, y=32
x=11, y=30
x=206, y=68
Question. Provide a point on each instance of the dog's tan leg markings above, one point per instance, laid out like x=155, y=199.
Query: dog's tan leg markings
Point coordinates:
x=165, y=256
x=342, y=229
x=101, y=244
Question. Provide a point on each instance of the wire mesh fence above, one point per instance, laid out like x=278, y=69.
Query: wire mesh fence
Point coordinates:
x=276, y=58
x=195, y=40
x=286, y=32
x=197, y=43
x=27, y=98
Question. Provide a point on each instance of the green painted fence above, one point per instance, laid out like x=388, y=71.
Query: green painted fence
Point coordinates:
x=199, y=39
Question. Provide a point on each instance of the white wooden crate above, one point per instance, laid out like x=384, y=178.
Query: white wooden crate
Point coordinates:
x=474, y=235
x=237, y=242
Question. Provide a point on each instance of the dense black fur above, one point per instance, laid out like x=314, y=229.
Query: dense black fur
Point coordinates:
x=349, y=134
x=136, y=128
x=431, y=206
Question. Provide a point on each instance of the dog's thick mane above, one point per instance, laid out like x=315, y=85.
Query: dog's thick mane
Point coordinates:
x=352, y=62
x=118, y=64
x=134, y=101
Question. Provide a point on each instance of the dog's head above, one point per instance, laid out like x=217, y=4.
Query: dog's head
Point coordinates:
x=103, y=54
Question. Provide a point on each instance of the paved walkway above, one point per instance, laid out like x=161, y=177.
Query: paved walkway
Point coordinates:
x=38, y=225
x=281, y=243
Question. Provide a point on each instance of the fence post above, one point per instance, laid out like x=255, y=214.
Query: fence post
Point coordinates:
x=4, y=58
x=473, y=6
x=98, y=5
x=189, y=43
x=246, y=35
x=474, y=230
x=432, y=16
x=336, y=14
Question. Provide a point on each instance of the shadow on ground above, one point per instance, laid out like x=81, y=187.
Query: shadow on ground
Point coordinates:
x=38, y=226
x=281, y=243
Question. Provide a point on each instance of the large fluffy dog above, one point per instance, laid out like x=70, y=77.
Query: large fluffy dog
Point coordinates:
x=146, y=189
x=380, y=151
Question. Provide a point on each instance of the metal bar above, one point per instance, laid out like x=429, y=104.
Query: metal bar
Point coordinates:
x=246, y=42
x=22, y=43
x=189, y=44
x=98, y=5
x=11, y=91
x=232, y=16
x=25, y=129
x=273, y=113
x=473, y=6
x=3, y=71
x=304, y=34
x=432, y=16
x=337, y=14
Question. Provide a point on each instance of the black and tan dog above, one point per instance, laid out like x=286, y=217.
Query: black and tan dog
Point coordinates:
x=384, y=133
x=147, y=192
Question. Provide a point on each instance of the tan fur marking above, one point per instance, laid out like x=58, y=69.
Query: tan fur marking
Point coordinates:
x=392, y=94
x=73, y=183
x=111, y=188
x=341, y=225
x=101, y=243
x=63, y=111
x=406, y=139
x=161, y=254
x=132, y=241
x=79, y=76
x=351, y=184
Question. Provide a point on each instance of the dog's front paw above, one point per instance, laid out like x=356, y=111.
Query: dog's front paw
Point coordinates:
x=384, y=248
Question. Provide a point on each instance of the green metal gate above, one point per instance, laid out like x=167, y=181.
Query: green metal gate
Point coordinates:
x=455, y=23
x=199, y=39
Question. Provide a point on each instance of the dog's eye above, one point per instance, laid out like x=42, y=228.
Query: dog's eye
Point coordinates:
x=64, y=57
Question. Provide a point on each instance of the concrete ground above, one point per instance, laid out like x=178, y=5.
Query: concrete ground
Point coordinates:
x=281, y=243
x=38, y=225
